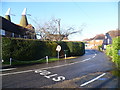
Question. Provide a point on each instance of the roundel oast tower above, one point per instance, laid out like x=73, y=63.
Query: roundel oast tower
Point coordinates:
x=23, y=21
x=7, y=14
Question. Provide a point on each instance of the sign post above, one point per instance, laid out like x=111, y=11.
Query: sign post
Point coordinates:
x=58, y=55
x=58, y=49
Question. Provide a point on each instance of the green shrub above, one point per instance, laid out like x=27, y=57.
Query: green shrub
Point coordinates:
x=109, y=50
x=100, y=47
x=76, y=48
x=27, y=49
x=6, y=48
x=21, y=49
x=112, y=50
x=116, y=48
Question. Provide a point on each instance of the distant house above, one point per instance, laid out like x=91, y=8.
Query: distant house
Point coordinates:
x=101, y=39
x=107, y=41
x=114, y=33
x=93, y=43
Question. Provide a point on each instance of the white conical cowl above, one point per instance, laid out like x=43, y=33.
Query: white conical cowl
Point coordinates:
x=7, y=15
x=24, y=11
x=8, y=12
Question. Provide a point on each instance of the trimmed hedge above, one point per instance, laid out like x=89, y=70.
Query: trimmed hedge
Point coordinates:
x=72, y=48
x=27, y=49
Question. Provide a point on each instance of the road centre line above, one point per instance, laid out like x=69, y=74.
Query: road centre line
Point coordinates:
x=92, y=80
x=93, y=57
x=44, y=68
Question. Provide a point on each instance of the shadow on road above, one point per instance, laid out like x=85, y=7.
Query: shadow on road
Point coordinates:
x=91, y=51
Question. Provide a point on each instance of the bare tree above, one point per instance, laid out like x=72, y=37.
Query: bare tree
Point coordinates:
x=51, y=30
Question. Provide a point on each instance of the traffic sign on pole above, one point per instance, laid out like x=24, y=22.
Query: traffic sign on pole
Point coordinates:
x=58, y=49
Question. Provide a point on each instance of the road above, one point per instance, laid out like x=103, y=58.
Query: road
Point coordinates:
x=92, y=70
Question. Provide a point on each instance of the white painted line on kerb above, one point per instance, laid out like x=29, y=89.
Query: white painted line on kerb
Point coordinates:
x=45, y=68
x=7, y=69
x=67, y=64
x=92, y=80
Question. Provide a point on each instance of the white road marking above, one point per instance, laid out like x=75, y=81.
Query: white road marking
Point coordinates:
x=93, y=57
x=59, y=78
x=16, y=72
x=49, y=75
x=92, y=80
x=45, y=68
x=7, y=69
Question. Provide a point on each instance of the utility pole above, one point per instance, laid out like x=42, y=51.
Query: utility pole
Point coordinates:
x=58, y=21
x=59, y=26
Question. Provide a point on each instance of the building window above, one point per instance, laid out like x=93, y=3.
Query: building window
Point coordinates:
x=108, y=41
x=25, y=37
x=2, y=32
x=19, y=36
x=13, y=34
x=97, y=41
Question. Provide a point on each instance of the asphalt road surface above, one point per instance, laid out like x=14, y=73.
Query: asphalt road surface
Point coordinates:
x=92, y=70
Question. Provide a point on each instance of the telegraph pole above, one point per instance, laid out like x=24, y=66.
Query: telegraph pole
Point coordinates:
x=59, y=26
x=58, y=21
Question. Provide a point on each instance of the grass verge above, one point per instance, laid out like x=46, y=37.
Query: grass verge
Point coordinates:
x=18, y=63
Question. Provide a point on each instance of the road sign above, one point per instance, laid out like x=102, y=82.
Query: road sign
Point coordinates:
x=58, y=48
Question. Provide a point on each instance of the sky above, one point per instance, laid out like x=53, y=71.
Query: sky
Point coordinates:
x=97, y=17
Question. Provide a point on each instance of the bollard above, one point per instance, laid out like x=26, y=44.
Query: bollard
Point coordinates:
x=65, y=56
x=10, y=61
x=2, y=61
x=47, y=59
